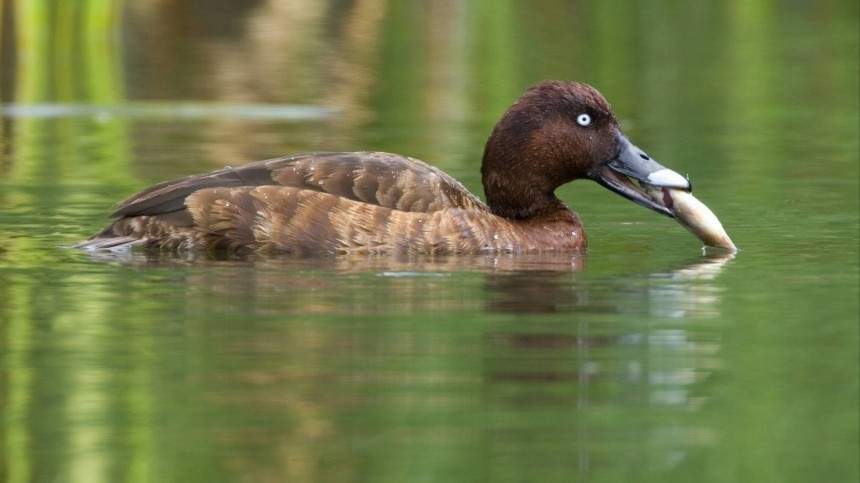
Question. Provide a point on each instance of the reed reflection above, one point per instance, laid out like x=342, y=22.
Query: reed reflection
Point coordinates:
x=342, y=341
x=269, y=52
x=155, y=367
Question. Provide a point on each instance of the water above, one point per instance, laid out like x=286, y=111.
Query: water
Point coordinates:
x=644, y=360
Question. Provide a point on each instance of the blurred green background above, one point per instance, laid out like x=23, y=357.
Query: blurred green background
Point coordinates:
x=640, y=361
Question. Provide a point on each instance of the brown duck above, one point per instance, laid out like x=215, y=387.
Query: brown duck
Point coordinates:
x=378, y=202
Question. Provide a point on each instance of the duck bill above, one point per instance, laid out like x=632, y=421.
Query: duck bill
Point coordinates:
x=631, y=163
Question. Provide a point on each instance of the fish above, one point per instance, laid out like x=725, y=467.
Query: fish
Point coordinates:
x=692, y=214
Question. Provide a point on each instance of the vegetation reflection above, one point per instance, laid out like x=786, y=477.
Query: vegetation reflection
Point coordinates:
x=142, y=367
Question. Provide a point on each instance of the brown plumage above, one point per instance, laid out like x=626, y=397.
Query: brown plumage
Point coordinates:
x=380, y=202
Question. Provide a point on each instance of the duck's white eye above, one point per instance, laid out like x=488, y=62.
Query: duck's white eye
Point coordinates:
x=583, y=119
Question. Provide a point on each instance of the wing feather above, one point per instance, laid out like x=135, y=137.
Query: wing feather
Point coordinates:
x=382, y=179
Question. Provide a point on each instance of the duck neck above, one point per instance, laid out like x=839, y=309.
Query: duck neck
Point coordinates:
x=519, y=195
x=540, y=208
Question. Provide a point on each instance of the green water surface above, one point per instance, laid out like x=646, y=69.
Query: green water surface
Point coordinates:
x=642, y=360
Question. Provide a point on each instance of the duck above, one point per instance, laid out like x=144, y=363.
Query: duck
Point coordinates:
x=377, y=202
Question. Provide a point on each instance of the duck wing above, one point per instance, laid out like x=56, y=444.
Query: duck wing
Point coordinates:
x=382, y=179
x=292, y=203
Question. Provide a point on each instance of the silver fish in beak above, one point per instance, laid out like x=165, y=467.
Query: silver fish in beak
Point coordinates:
x=692, y=214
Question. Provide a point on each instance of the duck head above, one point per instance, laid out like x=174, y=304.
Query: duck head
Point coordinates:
x=558, y=132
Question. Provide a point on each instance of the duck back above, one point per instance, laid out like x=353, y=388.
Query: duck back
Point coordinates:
x=316, y=202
